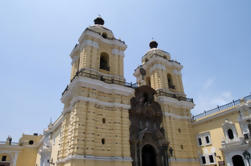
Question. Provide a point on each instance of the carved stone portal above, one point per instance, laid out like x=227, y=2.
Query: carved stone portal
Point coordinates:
x=147, y=138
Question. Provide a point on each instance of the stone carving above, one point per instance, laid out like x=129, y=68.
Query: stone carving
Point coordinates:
x=147, y=137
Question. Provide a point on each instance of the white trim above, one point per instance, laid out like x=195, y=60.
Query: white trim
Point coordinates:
x=97, y=36
x=157, y=66
x=97, y=158
x=90, y=43
x=98, y=85
x=55, y=125
x=9, y=151
x=157, y=60
x=213, y=116
x=175, y=102
x=79, y=47
x=203, y=136
x=153, y=51
x=176, y=72
x=74, y=58
x=118, y=52
x=96, y=101
x=104, y=74
x=176, y=116
x=182, y=160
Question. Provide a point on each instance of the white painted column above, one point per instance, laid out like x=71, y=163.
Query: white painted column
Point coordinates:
x=15, y=159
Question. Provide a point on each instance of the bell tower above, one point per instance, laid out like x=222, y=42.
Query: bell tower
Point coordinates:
x=163, y=74
x=98, y=52
x=95, y=127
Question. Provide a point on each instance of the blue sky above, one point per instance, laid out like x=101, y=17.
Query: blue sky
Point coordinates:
x=211, y=38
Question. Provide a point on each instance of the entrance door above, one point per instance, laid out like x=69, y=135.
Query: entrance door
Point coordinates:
x=148, y=156
x=237, y=160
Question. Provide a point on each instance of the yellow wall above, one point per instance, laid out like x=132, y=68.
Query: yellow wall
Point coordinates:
x=214, y=127
x=27, y=157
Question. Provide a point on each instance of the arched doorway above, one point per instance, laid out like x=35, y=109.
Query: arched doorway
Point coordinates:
x=237, y=160
x=148, y=156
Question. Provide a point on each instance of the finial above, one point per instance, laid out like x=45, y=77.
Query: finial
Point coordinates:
x=153, y=44
x=99, y=20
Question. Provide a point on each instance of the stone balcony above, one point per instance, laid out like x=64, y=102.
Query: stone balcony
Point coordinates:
x=239, y=143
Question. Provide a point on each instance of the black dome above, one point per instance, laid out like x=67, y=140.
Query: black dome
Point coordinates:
x=99, y=21
x=153, y=44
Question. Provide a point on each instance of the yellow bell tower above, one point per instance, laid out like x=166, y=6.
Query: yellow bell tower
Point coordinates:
x=163, y=74
x=95, y=127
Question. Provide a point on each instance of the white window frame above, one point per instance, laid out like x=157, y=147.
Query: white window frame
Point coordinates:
x=201, y=160
x=212, y=154
x=208, y=159
x=203, y=136
x=229, y=125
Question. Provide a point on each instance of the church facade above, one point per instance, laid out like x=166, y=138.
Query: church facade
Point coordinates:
x=108, y=122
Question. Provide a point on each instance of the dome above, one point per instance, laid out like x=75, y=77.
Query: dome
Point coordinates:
x=153, y=44
x=99, y=21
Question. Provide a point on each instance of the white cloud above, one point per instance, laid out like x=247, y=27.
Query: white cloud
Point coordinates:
x=208, y=83
x=209, y=98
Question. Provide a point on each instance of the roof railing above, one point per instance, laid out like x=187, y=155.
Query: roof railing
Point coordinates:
x=7, y=143
x=82, y=72
x=220, y=108
x=180, y=98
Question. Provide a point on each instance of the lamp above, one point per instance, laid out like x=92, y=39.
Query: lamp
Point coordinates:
x=247, y=156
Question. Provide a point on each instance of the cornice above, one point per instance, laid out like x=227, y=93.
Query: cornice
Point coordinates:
x=175, y=102
x=176, y=116
x=160, y=61
x=98, y=85
x=218, y=114
x=95, y=101
x=99, y=158
x=98, y=36
x=55, y=125
x=183, y=160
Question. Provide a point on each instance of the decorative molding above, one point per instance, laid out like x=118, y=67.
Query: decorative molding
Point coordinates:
x=176, y=116
x=98, y=85
x=182, y=160
x=107, y=41
x=218, y=114
x=97, y=158
x=80, y=47
x=153, y=51
x=74, y=58
x=176, y=72
x=158, y=60
x=9, y=151
x=96, y=101
x=175, y=102
x=55, y=125
x=90, y=43
x=104, y=74
x=157, y=66
x=118, y=52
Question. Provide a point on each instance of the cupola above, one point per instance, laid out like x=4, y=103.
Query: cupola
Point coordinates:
x=153, y=44
x=99, y=21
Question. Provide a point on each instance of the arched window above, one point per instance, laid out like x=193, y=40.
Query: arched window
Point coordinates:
x=104, y=62
x=31, y=142
x=230, y=134
x=170, y=81
x=104, y=35
x=237, y=160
